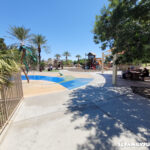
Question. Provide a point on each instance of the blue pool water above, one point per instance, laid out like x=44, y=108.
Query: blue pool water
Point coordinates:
x=75, y=83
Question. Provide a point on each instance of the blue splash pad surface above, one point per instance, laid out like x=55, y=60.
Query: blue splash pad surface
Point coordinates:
x=75, y=83
x=45, y=78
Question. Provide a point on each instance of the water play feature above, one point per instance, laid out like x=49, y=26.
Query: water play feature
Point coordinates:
x=68, y=82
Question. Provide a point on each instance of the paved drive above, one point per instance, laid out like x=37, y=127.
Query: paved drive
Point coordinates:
x=94, y=117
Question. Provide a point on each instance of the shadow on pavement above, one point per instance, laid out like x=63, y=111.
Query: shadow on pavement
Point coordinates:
x=114, y=113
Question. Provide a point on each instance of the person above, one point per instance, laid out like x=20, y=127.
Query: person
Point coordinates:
x=145, y=73
x=61, y=64
x=41, y=68
x=127, y=74
x=50, y=68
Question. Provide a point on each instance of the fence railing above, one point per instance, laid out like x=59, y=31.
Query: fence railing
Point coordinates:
x=9, y=98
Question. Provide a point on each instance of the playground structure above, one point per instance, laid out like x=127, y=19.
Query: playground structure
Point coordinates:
x=58, y=64
x=104, y=56
x=98, y=63
x=91, y=61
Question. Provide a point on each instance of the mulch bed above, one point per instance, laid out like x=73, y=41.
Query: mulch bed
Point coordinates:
x=142, y=91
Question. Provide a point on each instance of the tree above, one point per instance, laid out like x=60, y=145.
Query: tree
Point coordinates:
x=125, y=26
x=66, y=54
x=20, y=33
x=57, y=56
x=49, y=61
x=69, y=62
x=43, y=64
x=2, y=44
x=40, y=41
x=8, y=66
x=78, y=56
x=108, y=59
x=81, y=61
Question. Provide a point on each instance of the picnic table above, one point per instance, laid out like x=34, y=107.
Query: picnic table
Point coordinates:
x=135, y=75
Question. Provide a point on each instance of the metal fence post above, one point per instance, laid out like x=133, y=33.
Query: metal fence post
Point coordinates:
x=4, y=99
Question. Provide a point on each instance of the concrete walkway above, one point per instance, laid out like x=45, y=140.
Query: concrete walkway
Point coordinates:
x=97, y=116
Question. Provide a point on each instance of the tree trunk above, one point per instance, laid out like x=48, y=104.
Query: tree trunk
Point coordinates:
x=103, y=57
x=39, y=50
x=114, y=75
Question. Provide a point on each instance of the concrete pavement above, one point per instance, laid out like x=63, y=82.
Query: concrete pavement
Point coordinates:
x=97, y=116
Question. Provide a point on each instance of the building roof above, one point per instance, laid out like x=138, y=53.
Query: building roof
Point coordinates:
x=90, y=53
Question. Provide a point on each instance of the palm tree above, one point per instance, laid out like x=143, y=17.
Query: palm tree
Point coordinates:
x=2, y=44
x=57, y=56
x=40, y=41
x=78, y=56
x=20, y=33
x=8, y=66
x=66, y=54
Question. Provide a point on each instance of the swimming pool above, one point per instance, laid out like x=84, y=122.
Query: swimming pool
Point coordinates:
x=69, y=84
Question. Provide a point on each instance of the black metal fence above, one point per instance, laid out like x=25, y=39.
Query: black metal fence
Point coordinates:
x=9, y=98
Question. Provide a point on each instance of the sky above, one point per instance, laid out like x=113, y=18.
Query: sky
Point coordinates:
x=66, y=24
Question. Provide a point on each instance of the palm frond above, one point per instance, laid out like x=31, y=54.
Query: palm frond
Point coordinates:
x=20, y=33
x=57, y=56
x=8, y=66
x=38, y=39
x=66, y=53
x=78, y=56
